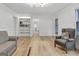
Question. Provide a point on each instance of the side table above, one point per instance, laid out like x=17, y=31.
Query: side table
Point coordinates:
x=71, y=44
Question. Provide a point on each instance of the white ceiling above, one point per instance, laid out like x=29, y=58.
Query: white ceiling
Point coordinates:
x=24, y=8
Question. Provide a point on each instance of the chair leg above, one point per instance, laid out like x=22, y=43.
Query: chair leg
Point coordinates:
x=66, y=50
x=54, y=44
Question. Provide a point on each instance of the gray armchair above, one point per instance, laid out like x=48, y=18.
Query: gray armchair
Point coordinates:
x=66, y=40
x=62, y=40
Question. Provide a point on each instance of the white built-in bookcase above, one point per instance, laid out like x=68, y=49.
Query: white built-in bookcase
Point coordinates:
x=23, y=26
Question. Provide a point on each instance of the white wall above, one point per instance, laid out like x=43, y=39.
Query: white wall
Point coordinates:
x=45, y=24
x=6, y=20
x=67, y=17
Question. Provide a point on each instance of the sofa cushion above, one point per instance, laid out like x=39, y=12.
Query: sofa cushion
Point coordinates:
x=12, y=38
x=3, y=36
x=7, y=47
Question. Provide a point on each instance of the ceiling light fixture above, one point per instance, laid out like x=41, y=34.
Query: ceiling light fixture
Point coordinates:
x=37, y=4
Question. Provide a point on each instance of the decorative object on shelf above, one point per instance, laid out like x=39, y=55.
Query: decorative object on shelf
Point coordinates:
x=24, y=24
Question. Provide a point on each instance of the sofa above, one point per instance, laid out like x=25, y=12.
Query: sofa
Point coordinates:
x=8, y=44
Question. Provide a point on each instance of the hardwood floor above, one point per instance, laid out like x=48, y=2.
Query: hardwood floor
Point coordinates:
x=38, y=46
x=22, y=46
x=42, y=47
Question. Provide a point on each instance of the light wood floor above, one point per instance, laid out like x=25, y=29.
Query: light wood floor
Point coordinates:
x=40, y=46
x=44, y=47
x=22, y=46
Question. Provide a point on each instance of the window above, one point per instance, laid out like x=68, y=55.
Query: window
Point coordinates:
x=77, y=14
x=77, y=22
x=56, y=26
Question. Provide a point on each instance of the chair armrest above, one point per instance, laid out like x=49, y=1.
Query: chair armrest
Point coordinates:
x=58, y=37
x=12, y=38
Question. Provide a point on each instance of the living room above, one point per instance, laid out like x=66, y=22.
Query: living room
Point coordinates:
x=28, y=29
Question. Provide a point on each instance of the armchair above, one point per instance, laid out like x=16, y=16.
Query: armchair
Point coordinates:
x=66, y=40
x=62, y=40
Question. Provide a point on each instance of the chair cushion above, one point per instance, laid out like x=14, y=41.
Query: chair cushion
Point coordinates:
x=61, y=41
x=65, y=35
x=7, y=47
x=3, y=36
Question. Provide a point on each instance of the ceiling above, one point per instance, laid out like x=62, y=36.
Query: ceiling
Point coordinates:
x=50, y=8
